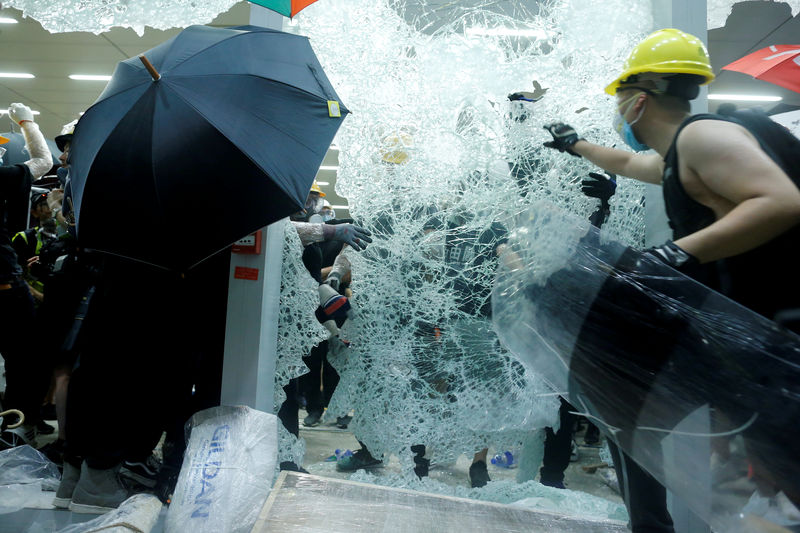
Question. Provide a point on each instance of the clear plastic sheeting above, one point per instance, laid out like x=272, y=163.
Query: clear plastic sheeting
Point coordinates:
x=137, y=514
x=700, y=391
x=310, y=504
x=227, y=471
x=24, y=464
x=719, y=10
x=97, y=16
x=435, y=161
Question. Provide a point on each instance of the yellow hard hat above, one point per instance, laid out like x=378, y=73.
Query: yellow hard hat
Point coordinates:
x=668, y=51
x=315, y=188
x=394, y=148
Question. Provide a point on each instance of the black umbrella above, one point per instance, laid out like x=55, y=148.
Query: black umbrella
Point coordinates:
x=221, y=135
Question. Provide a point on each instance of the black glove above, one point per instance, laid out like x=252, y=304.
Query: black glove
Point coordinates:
x=673, y=255
x=600, y=186
x=564, y=137
x=524, y=96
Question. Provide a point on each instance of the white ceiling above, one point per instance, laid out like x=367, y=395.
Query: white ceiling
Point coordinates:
x=26, y=47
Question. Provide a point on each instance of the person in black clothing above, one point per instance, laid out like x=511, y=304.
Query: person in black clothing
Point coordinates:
x=26, y=383
x=734, y=211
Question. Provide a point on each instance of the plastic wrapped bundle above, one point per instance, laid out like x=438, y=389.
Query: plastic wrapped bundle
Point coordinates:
x=700, y=391
x=227, y=471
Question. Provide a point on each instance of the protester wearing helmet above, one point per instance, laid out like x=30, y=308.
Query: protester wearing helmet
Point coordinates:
x=731, y=204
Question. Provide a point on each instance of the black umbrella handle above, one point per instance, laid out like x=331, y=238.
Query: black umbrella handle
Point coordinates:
x=150, y=68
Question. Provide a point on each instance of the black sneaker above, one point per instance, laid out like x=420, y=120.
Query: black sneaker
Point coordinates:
x=552, y=483
x=48, y=412
x=292, y=467
x=343, y=421
x=360, y=459
x=143, y=472
x=54, y=451
x=478, y=474
x=421, y=465
x=43, y=428
x=312, y=419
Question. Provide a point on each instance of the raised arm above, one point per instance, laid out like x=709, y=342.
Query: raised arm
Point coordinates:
x=41, y=160
x=643, y=167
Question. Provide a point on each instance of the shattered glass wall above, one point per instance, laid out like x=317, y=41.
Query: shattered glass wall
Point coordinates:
x=435, y=161
x=298, y=332
x=97, y=16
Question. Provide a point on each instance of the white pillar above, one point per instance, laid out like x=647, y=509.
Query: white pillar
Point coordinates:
x=251, y=332
x=690, y=16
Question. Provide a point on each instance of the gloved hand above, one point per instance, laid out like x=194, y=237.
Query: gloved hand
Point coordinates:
x=20, y=113
x=334, y=279
x=356, y=236
x=673, y=255
x=564, y=137
x=333, y=309
x=599, y=185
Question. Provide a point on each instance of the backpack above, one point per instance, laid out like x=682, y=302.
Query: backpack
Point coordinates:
x=775, y=139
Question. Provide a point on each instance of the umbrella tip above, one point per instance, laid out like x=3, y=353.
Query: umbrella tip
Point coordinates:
x=150, y=68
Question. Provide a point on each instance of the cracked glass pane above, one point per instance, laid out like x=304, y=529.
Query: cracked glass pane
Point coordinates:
x=98, y=16
x=436, y=161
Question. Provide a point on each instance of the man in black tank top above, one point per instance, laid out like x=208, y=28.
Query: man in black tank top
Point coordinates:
x=733, y=209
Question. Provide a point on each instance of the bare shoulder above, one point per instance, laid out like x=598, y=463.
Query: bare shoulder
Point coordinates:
x=704, y=137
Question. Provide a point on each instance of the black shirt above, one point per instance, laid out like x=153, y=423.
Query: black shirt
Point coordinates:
x=466, y=252
x=15, y=188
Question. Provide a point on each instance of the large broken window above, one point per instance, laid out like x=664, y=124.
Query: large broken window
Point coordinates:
x=436, y=161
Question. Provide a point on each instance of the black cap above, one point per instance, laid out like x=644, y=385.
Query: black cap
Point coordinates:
x=37, y=198
x=62, y=140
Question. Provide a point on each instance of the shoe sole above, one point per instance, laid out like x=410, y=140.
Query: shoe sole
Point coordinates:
x=366, y=467
x=82, y=508
x=61, y=503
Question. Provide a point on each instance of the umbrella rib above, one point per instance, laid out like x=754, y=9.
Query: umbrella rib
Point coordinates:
x=183, y=61
x=178, y=94
x=297, y=139
x=318, y=97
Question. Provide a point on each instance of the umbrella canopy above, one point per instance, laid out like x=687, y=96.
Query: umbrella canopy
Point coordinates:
x=17, y=153
x=778, y=64
x=287, y=8
x=226, y=137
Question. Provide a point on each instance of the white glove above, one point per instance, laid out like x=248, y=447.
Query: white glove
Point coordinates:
x=19, y=113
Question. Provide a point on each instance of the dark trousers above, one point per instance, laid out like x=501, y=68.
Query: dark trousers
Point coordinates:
x=645, y=498
x=288, y=413
x=558, y=447
x=27, y=373
x=132, y=370
x=321, y=372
